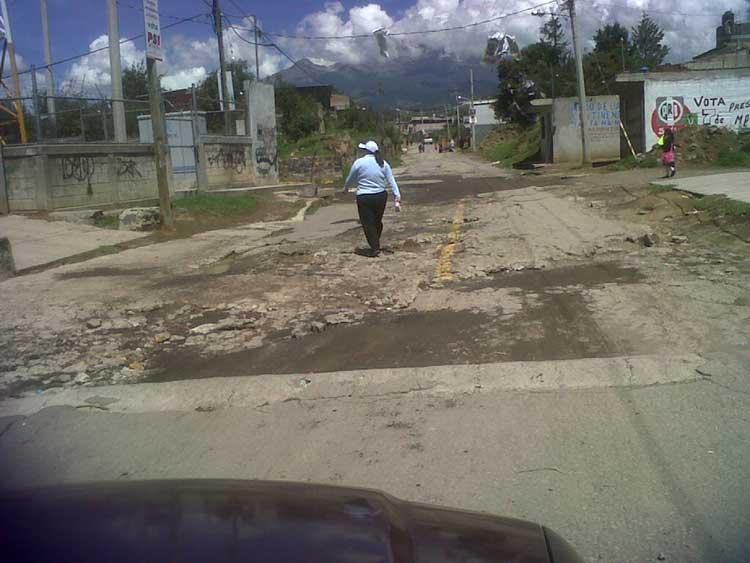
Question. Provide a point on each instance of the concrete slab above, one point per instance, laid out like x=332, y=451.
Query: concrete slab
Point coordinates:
x=37, y=242
x=734, y=185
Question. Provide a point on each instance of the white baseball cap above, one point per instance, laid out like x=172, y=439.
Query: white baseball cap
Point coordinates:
x=369, y=146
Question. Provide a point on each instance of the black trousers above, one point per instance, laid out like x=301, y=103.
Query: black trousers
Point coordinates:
x=371, y=208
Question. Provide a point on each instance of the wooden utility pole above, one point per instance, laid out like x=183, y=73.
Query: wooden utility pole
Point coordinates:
x=581, y=82
x=255, y=32
x=14, y=70
x=161, y=157
x=218, y=28
x=160, y=142
x=472, y=114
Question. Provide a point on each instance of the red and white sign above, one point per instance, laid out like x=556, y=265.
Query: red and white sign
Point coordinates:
x=153, y=29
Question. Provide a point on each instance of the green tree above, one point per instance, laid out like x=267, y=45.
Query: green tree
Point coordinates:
x=208, y=90
x=299, y=113
x=515, y=93
x=611, y=37
x=647, y=45
x=612, y=54
x=135, y=90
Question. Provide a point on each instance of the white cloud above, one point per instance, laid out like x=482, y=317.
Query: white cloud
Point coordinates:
x=184, y=78
x=92, y=71
x=189, y=60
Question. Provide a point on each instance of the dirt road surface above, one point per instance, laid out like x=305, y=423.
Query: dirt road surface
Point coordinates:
x=566, y=348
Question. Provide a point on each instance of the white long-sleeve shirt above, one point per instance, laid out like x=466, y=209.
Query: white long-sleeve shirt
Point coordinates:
x=370, y=177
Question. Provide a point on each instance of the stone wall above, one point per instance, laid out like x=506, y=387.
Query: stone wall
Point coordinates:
x=47, y=177
x=307, y=168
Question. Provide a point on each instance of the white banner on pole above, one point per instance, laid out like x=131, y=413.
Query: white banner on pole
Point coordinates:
x=153, y=29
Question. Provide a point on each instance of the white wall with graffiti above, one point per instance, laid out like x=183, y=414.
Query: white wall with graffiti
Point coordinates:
x=46, y=177
x=603, y=133
x=708, y=99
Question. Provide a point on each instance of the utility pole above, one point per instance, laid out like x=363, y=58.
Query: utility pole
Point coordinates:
x=50, y=76
x=255, y=31
x=14, y=70
x=154, y=50
x=472, y=114
x=581, y=83
x=218, y=28
x=115, y=68
x=36, y=105
x=458, y=120
x=160, y=143
x=622, y=52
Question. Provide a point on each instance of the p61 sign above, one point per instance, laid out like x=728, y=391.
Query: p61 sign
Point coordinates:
x=153, y=29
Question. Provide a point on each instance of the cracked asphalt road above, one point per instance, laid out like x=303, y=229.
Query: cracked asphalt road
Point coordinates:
x=547, y=366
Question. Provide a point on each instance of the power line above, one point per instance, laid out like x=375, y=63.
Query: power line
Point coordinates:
x=650, y=11
x=247, y=40
x=140, y=9
x=122, y=41
x=294, y=63
x=404, y=33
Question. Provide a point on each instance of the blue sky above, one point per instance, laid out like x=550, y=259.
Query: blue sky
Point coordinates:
x=79, y=25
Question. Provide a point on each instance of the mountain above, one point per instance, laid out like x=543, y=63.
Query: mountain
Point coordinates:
x=428, y=81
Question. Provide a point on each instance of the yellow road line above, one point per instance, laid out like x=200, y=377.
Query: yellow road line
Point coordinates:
x=445, y=261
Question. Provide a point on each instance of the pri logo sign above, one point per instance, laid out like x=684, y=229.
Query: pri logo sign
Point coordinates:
x=669, y=112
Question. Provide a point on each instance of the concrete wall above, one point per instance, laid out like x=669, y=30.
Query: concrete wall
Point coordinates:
x=226, y=162
x=261, y=127
x=56, y=176
x=718, y=98
x=603, y=128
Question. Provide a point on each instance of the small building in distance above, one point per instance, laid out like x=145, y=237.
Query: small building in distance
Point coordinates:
x=326, y=97
x=732, y=47
x=486, y=122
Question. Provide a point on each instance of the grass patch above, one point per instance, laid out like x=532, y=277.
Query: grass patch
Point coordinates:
x=630, y=163
x=107, y=222
x=733, y=157
x=216, y=203
x=512, y=145
x=719, y=205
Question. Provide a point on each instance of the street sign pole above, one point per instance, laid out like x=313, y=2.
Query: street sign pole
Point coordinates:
x=154, y=54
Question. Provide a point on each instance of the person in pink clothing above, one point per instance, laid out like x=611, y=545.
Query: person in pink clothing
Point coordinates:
x=667, y=157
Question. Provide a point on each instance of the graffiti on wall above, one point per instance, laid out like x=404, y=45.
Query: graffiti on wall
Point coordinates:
x=678, y=111
x=603, y=117
x=128, y=167
x=266, y=156
x=228, y=158
x=80, y=168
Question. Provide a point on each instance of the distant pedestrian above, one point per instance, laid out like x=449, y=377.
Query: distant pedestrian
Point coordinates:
x=371, y=174
x=666, y=141
x=453, y=145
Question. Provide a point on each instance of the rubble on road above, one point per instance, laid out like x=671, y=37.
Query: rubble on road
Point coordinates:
x=140, y=219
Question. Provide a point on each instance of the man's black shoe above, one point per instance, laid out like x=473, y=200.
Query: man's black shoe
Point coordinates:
x=367, y=252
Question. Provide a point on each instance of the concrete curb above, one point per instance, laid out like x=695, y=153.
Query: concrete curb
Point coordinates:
x=264, y=390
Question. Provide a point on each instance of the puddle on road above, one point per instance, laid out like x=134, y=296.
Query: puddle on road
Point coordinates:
x=557, y=327
x=104, y=272
x=588, y=275
x=455, y=187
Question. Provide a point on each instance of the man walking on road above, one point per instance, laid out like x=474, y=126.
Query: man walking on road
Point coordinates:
x=371, y=174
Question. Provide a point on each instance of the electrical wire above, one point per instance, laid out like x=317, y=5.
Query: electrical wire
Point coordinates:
x=140, y=9
x=234, y=30
x=405, y=33
x=294, y=63
x=592, y=3
x=93, y=51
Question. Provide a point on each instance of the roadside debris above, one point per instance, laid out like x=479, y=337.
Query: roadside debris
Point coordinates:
x=140, y=219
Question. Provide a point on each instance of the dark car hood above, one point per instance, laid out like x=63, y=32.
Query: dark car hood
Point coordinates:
x=212, y=520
